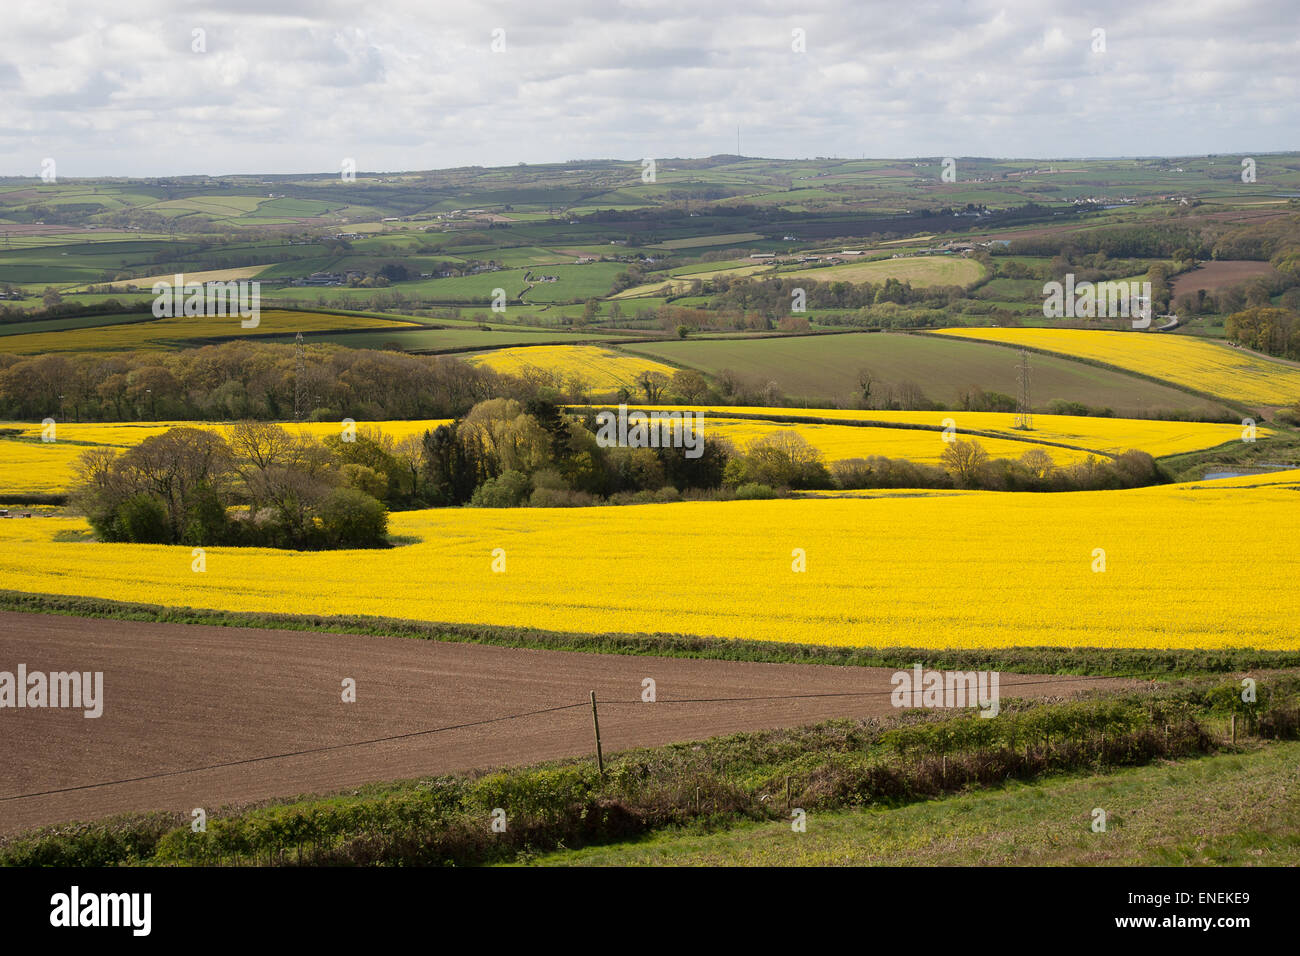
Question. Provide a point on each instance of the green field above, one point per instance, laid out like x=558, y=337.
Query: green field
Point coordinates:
x=918, y=270
x=451, y=340
x=825, y=368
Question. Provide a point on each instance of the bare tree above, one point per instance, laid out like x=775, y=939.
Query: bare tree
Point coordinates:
x=963, y=460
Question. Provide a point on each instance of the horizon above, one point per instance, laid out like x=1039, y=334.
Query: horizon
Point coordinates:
x=667, y=159
x=271, y=92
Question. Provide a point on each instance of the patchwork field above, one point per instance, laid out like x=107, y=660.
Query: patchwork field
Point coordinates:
x=1105, y=435
x=30, y=466
x=682, y=283
x=970, y=570
x=825, y=367
x=151, y=333
x=1193, y=363
x=837, y=442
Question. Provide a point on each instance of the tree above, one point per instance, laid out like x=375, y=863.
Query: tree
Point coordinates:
x=178, y=467
x=781, y=459
x=507, y=490
x=963, y=460
x=690, y=385
x=866, y=378
x=449, y=471
x=653, y=384
x=1038, y=463
x=352, y=517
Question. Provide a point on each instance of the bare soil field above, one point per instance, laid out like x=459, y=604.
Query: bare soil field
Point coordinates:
x=1212, y=276
x=198, y=716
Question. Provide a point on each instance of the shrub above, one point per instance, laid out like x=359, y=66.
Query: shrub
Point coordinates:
x=141, y=518
x=560, y=498
x=350, y=517
x=508, y=490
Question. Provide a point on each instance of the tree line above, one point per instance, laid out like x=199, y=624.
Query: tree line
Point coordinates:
x=243, y=380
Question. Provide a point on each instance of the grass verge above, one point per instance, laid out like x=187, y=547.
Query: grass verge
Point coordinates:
x=1224, y=810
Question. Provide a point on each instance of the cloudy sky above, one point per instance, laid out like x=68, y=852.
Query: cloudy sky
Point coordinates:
x=113, y=88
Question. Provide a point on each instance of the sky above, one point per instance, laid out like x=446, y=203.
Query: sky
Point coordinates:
x=161, y=87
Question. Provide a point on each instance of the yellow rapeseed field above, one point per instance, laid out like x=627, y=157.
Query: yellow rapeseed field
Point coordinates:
x=601, y=369
x=837, y=442
x=47, y=468
x=1194, y=363
x=36, y=468
x=166, y=333
x=30, y=466
x=966, y=570
x=1109, y=435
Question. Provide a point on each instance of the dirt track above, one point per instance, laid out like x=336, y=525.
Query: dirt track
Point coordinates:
x=186, y=696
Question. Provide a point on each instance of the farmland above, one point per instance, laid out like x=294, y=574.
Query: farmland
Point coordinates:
x=1222, y=371
x=596, y=368
x=821, y=368
x=874, y=575
x=30, y=466
x=918, y=270
x=1104, y=435
x=488, y=504
x=538, y=542
x=151, y=333
x=1213, y=276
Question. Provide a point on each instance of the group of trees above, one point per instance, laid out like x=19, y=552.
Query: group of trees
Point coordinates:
x=773, y=297
x=965, y=464
x=260, y=484
x=53, y=306
x=506, y=453
x=257, y=485
x=243, y=380
x=1269, y=330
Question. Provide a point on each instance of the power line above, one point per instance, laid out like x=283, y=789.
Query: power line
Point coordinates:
x=295, y=753
x=873, y=693
x=493, y=720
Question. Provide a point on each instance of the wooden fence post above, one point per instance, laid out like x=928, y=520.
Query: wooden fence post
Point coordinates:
x=595, y=723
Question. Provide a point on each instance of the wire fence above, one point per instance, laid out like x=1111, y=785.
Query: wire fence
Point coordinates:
x=500, y=719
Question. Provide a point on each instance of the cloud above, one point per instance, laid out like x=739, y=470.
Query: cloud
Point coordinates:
x=295, y=85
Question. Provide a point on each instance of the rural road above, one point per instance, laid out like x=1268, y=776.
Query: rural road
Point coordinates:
x=179, y=697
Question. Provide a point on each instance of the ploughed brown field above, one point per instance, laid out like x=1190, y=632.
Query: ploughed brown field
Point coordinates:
x=1213, y=276
x=179, y=697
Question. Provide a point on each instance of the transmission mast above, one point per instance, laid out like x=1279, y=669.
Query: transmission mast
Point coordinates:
x=299, y=379
x=1024, y=404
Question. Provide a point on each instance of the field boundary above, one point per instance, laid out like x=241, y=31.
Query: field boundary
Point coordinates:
x=1098, y=661
x=1231, y=404
x=864, y=423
